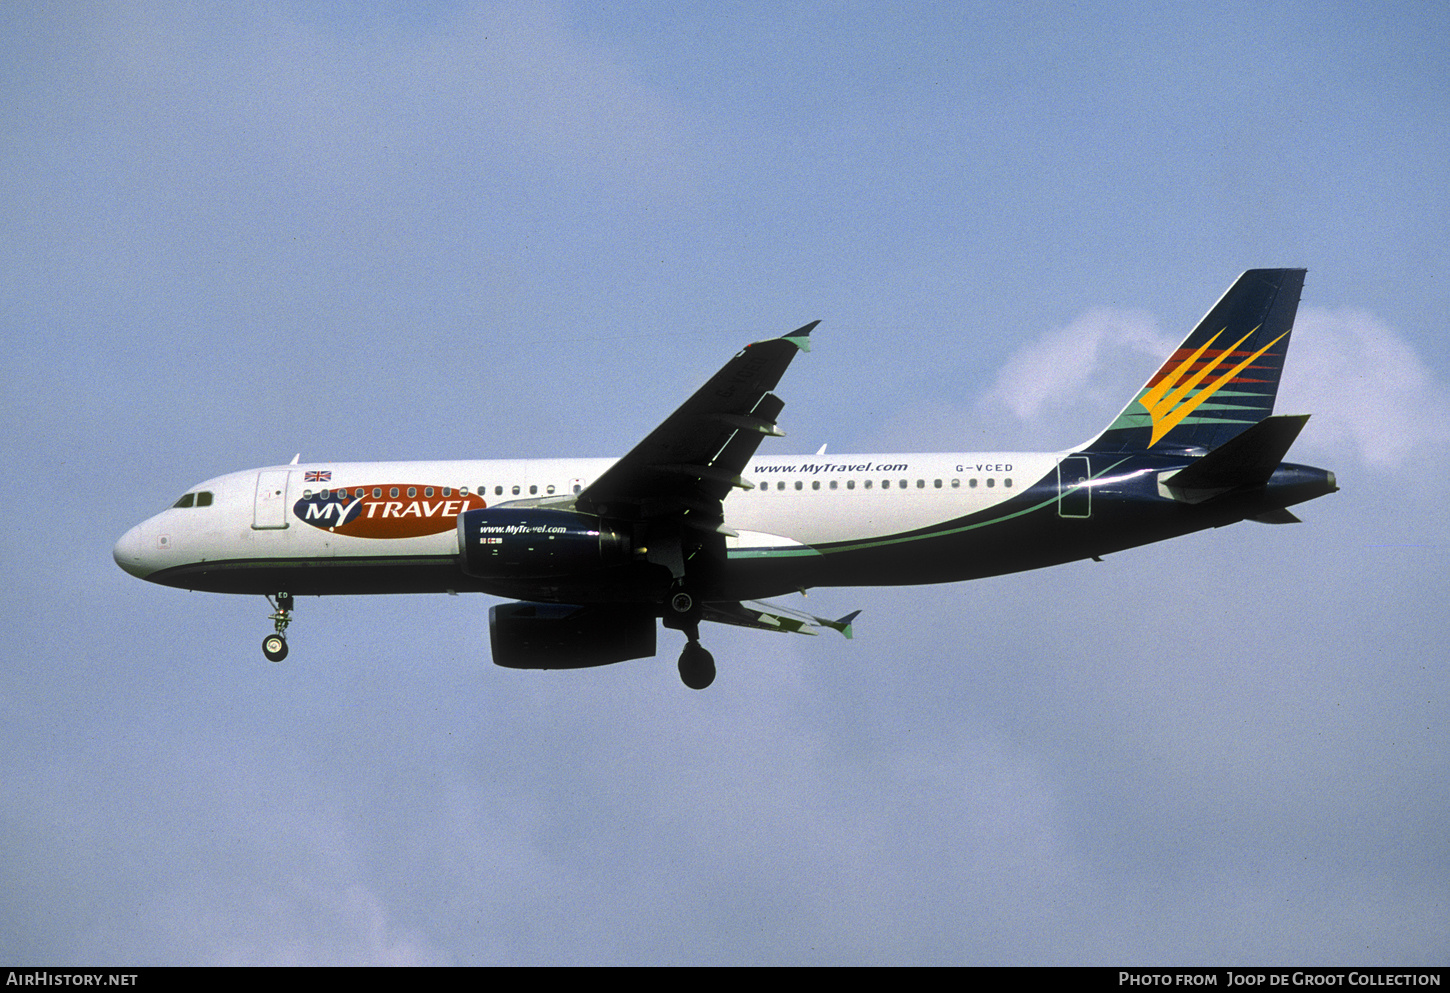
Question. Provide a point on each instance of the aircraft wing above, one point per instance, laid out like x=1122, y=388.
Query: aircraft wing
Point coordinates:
x=765, y=616
x=684, y=468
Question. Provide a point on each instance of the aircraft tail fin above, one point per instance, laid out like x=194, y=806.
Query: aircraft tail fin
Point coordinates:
x=1222, y=380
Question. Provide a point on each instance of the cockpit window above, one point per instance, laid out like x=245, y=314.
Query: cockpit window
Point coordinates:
x=203, y=499
x=185, y=501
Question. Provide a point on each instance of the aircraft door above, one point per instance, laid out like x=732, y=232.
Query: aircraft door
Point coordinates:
x=1074, y=496
x=270, y=510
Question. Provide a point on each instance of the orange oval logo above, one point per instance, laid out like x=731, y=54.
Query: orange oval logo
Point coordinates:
x=342, y=511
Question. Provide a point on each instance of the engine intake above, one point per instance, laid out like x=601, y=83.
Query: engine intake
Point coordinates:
x=533, y=543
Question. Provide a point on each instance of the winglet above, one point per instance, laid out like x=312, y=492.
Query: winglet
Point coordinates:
x=801, y=337
x=842, y=625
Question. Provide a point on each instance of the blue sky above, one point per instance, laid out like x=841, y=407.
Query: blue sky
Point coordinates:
x=501, y=230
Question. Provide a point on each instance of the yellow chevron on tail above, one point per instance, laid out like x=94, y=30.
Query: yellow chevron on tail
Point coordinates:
x=1168, y=402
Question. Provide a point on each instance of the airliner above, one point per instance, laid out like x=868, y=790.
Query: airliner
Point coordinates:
x=694, y=525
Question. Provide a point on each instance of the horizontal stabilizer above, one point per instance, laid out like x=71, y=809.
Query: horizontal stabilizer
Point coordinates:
x=1247, y=459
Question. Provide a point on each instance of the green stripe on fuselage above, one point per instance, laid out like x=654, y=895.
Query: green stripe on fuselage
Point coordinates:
x=831, y=549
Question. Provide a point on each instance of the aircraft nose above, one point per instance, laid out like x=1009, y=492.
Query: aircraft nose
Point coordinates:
x=130, y=552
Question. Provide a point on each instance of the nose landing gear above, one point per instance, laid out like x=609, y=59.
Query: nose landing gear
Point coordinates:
x=274, y=646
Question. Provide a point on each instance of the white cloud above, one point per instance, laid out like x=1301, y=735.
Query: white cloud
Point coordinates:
x=307, y=924
x=1066, y=385
x=1370, y=394
x=1078, y=363
x=1059, y=389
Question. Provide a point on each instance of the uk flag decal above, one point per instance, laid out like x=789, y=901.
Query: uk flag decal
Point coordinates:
x=317, y=476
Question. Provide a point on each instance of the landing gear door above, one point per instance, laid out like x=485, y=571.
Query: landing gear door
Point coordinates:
x=270, y=510
x=1074, y=495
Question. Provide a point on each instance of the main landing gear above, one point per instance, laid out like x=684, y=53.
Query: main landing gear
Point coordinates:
x=697, y=666
x=274, y=646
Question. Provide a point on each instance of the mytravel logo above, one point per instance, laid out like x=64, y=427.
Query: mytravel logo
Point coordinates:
x=1177, y=391
x=387, y=511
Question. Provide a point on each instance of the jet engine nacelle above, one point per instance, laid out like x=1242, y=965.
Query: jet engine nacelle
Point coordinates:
x=563, y=636
x=533, y=543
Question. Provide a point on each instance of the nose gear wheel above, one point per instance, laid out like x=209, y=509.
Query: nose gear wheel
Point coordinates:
x=274, y=646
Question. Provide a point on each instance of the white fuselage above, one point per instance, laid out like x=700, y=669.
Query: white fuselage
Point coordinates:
x=407, y=510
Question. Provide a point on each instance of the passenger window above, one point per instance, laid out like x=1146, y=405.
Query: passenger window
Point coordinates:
x=991, y=482
x=867, y=484
x=921, y=484
x=447, y=491
x=956, y=484
x=203, y=499
x=936, y=483
x=392, y=491
x=799, y=485
x=516, y=491
x=1007, y=483
x=903, y=484
x=498, y=491
x=427, y=491
x=886, y=484
x=412, y=492
x=185, y=501
x=549, y=489
x=833, y=484
x=972, y=483
x=578, y=488
x=815, y=484
x=533, y=490
x=780, y=485
x=850, y=484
